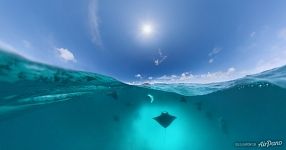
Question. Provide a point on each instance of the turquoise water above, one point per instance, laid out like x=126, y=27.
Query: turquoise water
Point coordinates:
x=44, y=107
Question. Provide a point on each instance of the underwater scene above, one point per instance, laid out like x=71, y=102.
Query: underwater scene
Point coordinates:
x=44, y=107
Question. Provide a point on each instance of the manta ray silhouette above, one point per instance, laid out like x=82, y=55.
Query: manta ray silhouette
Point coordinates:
x=165, y=119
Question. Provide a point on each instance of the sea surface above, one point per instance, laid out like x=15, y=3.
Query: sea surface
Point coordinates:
x=48, y=108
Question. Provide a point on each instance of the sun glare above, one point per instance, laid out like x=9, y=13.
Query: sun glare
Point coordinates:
x=147, y=29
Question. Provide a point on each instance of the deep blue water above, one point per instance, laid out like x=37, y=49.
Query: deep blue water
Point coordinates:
x=44, y=107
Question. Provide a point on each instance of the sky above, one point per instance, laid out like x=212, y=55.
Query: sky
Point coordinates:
x=196, y=41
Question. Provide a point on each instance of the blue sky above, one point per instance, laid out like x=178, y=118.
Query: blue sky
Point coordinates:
x=191, y=40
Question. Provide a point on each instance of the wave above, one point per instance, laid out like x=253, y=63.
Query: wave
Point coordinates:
x=26, y=83
x=275, y=76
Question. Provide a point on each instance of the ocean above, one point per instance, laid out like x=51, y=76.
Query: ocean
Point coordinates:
x=44, y=107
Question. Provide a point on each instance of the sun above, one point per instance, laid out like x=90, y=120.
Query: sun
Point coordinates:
x=147, y=29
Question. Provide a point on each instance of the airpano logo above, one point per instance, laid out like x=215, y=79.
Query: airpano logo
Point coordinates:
x=270, y=143
x=260, y=144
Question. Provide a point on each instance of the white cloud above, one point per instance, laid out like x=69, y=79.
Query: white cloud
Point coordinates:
x=210, y=77
x=65, y=54
x=156, y=62
x=231, y=70
x=94, y=22
x=150, y=78
x=139, y=76
x=215, y=51
x=160, y=58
